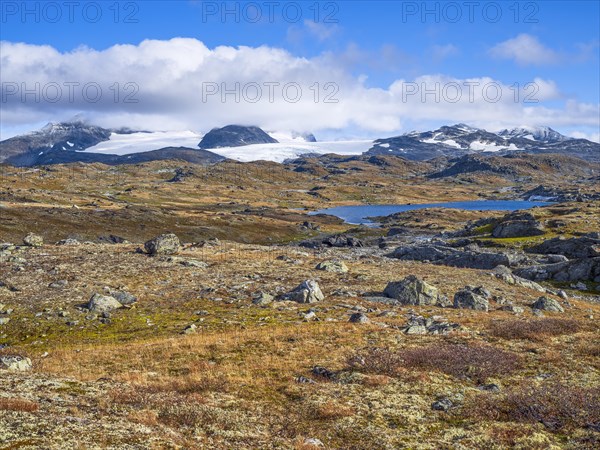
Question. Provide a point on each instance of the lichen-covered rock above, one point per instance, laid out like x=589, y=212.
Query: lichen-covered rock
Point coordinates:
x=33, y=240
x=412, y=291
x=165, y=244
x=518, y=224
x=306, y=292
x=359, y=318
x=103, y=303
x=263, y=299
x=547, y=304
x=470, y=298
x=15, y=363
x=332, y=266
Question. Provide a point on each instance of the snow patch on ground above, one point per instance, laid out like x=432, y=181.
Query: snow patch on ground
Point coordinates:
x=485, y=146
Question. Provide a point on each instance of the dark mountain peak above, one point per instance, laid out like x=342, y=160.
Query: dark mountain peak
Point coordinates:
x=235, y=136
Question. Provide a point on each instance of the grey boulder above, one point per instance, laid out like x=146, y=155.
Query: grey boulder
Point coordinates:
x=306, y=292
x=547, y=304
x=165, y=244
x=103, y=304
x=471, y=298
x=412, y=291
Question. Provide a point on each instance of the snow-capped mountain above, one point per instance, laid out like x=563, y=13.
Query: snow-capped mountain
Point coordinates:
x=71, y=136
x=539, y=134
x=78, y=141
x=461, y=139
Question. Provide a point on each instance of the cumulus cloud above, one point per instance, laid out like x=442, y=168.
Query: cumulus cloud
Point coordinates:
x=182, y=84
x=525, y=49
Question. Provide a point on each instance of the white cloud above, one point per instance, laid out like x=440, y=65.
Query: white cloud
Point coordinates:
x=595, y=137
x=441, y=52
x=525, y=49
x=173, y=75
x=321, y=31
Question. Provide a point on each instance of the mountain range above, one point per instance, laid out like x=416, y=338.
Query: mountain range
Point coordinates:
x=77, y=140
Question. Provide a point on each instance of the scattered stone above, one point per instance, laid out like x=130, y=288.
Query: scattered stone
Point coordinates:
x=513, y=309
x=303, y=379
x=310, y=226
x=263, y=299
x=103, y=303
x=15, y=363
x=322, y=372
x=342, y=240
x=580, y=286
x=332, y=266
x=68, y=241
x=437, y=325
x=4, y=320
x=60, y=284
x=443, y=404
x=547, y=304
x=165, y=244
x=309, y=316
x=33, y=240
x=492, y=387
x=123, y=297
x=359, y=318
x=188, y=262
x=470, y=298
x=412, y=291
x=505, y=274
x=307, y=292
x=314, y=442
x=415, y=329
x=10, y=287
x=190, y=329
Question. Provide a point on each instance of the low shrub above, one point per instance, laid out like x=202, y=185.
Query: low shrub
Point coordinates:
x=533, y=329
x=557, y=406
x=475, y=362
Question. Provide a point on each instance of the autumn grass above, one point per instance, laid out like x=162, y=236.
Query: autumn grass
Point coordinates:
x=18, y=405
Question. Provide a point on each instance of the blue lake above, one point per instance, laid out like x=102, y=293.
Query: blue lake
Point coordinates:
x=358, y=214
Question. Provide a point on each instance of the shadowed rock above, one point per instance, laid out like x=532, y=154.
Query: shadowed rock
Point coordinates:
x=471, y=298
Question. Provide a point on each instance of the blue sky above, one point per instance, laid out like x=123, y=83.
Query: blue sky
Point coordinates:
x=375, y=42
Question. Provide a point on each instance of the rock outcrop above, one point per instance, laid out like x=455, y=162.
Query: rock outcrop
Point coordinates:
x=518, y=224
x=574, y=248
